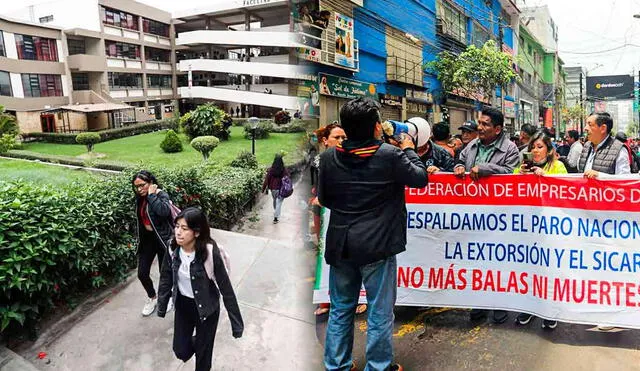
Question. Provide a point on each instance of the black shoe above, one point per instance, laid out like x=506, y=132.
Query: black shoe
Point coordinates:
x=275, y=220
x=523, y=318
x=500, y=316
x=477, y=314
x=547, y=324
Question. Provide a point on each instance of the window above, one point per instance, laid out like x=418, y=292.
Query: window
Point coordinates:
x=80, y=81
x=120, y=19
x=36, y=48
x=454, y=22
x=36, y=85
x=157, y=55
x=119, y=80
x=3, y=52
x=155, y=28
x=480, y=36
x=5, y=84
x=76, y=46
x=159, y=81
x=121, y=50
x=46, y=19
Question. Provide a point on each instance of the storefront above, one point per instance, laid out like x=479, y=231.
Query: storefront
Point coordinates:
x=419, y=104
x=391, y=107
x=336, y=91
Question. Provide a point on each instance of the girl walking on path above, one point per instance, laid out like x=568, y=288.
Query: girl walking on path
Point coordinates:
x=195, y=277
x=273, y=181
x=155, y=229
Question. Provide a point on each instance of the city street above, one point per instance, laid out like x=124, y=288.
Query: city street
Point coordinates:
x=445, y=339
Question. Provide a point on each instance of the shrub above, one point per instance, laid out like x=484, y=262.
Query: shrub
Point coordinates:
x=205, y=145
x=58, y=159
x=282, y=118
x=106, y=135
x=206, y=120
x=171, y=143
x=245, y=160
x=8, y=123
x=88, y=139
x=7, y=142
x=262, y=130
x=296, y=126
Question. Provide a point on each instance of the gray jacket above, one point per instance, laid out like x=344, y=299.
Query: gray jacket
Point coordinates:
x=504, y=160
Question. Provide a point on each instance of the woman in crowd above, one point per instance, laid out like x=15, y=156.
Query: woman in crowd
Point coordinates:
x=273, y=181
x=155, y=229
x=543, y=162
x=194, y=275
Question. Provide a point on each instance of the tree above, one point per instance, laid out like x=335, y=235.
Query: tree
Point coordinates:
x=171, y=143
x=573, y=114
x=206, y=120
x=205, y=145
x=88, y=139
x=476, y=72
x=8, y=123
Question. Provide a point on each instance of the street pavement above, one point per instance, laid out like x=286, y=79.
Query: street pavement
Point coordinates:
x=445, y=339
x=272, y=274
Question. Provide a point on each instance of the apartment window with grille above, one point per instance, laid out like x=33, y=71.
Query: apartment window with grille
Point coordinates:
x=119, y=80
x=155, y=27
x=454, y=22
x=76, y=46
x=38, y=85
x=5, y=84
x=80, y=81
x=46, y=19
x=36, y=48
x=117, y=18
x=159, y=81
x=479, y=35
x=3, y=52
x=117, y=49
x=157, y=55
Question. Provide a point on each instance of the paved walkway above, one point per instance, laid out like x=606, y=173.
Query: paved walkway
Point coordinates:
x=272, y=273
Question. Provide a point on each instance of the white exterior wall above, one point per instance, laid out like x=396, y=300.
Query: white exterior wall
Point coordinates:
x=65, y=85
x=239, y=38
x=16, y=85
x=10, y=45
x=66, y=14
x=286, y=71
x=61, y=52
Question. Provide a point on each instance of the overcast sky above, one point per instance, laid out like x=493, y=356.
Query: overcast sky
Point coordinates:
x=584, y=26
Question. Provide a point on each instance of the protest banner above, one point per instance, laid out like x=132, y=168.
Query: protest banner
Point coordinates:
x=564, y=248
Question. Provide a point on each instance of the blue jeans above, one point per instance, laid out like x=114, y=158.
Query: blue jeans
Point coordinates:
x=277, y=202
x=380, y=281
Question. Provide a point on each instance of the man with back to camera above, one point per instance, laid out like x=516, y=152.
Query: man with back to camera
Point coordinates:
x=362, y=181
x=491, y=153
x=609, y=156
x=441, y=134
x=575, y=149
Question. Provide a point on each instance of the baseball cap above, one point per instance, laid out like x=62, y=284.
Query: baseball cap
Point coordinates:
x=470, y=126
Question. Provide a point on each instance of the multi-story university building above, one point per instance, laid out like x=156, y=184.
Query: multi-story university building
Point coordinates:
x=123, y=62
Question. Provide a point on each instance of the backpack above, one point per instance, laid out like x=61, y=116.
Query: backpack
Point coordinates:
x=174, y=211
x=286, y=187
x=633, y=160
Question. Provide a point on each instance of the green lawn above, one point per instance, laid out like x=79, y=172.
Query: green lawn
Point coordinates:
x=41, y=173
x=145, y=148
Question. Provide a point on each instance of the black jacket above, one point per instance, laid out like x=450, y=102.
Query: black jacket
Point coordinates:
x=206, y=293
x=159, y=213
x=366, y=198
x=438, y=157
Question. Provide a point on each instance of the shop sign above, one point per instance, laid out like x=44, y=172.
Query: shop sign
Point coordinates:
x=390, y=100
x=345, y=88
x=345, y=55
x=419, y=96
x=509, y=109
x=309, y=54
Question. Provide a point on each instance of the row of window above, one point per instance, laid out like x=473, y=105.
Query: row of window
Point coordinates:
x=3, y=52
x=119, y=80
x=454, y=24
x=36, y=48
x=33, y=85
x=129, y=21
x=121, y=50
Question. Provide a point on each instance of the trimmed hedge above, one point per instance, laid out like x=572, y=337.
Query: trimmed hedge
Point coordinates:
x=105, y=135
x=171, y=142
x=56, y=159
x=262, y=130
x=63, y=241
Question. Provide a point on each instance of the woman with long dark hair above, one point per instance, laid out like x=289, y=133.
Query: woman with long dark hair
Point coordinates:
x=273, y=181
x=194, y=275
x=155, y=229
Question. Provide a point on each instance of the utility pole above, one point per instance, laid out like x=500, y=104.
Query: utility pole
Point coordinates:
x=581, y=106
x=500, y=37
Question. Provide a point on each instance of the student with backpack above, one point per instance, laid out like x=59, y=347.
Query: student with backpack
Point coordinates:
x=279, y=183
x=155, y=229
x=194, y=274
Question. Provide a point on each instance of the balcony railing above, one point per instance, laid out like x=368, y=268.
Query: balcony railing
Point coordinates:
x=404, y=71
